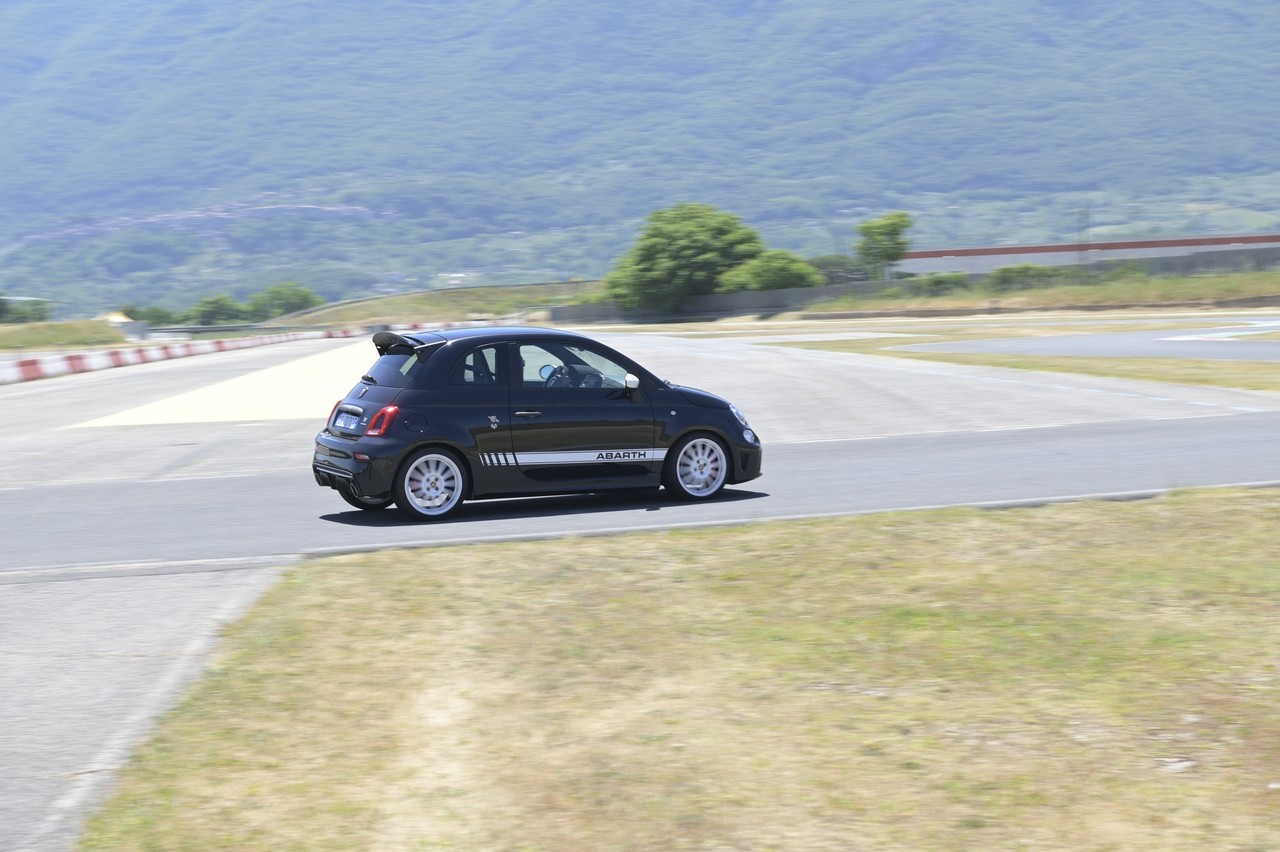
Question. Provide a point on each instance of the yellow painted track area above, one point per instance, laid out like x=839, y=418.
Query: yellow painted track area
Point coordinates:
x=303, y=389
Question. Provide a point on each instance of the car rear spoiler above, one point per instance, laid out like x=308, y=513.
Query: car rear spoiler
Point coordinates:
x=388, y=342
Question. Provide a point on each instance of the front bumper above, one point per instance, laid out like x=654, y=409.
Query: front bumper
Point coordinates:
x=747, y=462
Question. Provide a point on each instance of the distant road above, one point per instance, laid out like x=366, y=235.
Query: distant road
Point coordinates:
x=147, y=506
x=1222, y=341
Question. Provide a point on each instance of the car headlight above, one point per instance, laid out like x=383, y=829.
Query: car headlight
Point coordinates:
x=747, y=434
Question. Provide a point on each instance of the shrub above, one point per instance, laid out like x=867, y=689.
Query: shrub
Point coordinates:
x=776, y=269
x=937, y=284
x=1028, y=276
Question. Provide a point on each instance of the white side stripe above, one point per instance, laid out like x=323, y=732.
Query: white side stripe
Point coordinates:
x=497, y=459
x=650, y=454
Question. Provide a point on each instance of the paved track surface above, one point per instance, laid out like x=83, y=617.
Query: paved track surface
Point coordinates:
x=146, y=506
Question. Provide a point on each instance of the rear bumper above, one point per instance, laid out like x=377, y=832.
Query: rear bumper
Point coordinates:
x=334, y=465
x=328, y=477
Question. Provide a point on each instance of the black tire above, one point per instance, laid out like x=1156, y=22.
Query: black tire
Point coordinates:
x=697, y=467
x=368, y=504
x=430, y=485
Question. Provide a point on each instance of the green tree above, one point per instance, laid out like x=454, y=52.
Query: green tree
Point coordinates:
x=839, y=268
x=24, y=310
x=216, y=310
x=280, y=299
x=681, y=253
x=150, y=315
x=883, y=242
x=776, y=269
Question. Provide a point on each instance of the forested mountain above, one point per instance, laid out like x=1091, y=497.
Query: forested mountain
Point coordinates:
x=160, y=150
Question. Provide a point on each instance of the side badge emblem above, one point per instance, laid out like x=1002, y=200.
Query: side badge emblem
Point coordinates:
x=493, y=422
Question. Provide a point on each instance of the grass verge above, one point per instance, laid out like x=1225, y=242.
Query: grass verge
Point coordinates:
x=454, y=305
x=56, y=335
x=1120, y=292
x=1252, y=375
x=1094, y=675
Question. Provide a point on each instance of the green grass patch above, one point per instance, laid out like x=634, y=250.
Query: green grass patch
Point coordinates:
x=486, y=302
x=1251, y=375
x=59, y=335
x=1094, y=675
x=1139, y=290
x=1268, y=335
x=454, y=305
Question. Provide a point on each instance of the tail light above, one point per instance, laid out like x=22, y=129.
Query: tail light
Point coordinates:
x=382, y=421
x=334, y=411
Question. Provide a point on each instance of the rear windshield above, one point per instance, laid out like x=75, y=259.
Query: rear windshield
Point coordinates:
x=400, y=369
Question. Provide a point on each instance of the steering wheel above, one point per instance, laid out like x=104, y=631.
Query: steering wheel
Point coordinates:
x=558, y=378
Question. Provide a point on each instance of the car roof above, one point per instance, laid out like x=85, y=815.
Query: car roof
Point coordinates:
x=480, y=335
x=492, y=333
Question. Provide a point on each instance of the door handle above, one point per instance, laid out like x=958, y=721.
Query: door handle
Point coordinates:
x=529, y=414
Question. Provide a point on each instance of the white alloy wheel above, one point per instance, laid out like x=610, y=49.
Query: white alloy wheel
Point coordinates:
x=697, y=468
x=431, y=485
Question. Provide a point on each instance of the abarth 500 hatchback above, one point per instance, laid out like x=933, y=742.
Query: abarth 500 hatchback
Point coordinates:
x=473, y=413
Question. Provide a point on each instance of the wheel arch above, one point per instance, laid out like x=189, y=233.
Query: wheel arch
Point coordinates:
x=439, y=443
x=703, y=429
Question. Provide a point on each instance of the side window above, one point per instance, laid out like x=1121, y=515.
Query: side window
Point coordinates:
x=560, y=366
x=601, y=371
x=479, y=367
x=533, y=360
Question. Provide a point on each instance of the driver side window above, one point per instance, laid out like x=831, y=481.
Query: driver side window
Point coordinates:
x=533, y=359
x=561, y=366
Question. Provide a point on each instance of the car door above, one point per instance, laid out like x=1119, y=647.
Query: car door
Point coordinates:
x=472, y=409
x=573, y=418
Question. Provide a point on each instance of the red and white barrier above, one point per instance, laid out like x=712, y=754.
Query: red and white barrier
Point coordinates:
x=30, y=369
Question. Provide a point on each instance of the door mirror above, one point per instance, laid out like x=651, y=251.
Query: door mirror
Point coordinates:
x=631, y=381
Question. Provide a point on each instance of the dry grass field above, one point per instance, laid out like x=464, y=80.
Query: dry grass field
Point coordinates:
x=1085, y=676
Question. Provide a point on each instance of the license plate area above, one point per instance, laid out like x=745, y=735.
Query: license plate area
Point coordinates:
x=346, y=420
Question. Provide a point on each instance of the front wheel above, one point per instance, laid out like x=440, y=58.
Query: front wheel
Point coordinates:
x=697, y=468
x=430, y=485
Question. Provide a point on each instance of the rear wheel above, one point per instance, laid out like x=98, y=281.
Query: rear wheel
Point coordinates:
x=430, y=485
x=697, y=468
x=369, y=504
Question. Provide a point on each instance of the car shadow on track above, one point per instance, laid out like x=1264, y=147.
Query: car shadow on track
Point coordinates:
x=538, y=507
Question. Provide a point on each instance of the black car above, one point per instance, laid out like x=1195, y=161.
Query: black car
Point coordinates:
x=471, y=413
